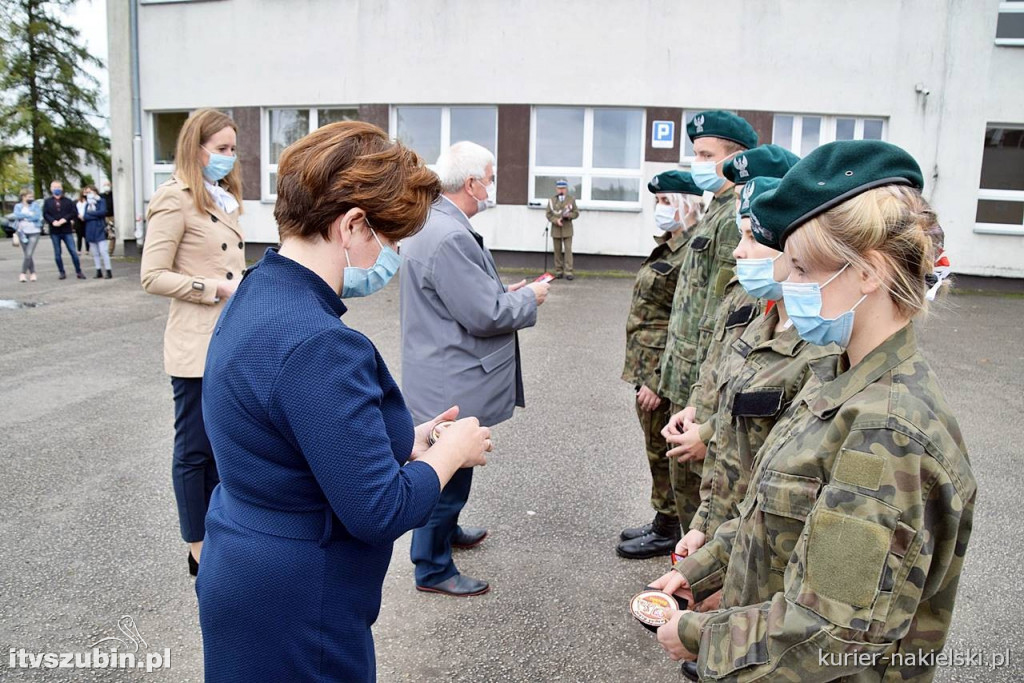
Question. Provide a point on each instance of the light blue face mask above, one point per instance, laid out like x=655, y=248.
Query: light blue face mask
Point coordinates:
x=803, y=304
x=757, y=275
x=705, y=176
x=218, y=167
x=366, y=281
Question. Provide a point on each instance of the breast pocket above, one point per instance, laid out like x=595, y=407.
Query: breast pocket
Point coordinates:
x=785, y=500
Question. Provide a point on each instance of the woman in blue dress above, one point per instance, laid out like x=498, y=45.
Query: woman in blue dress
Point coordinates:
x=320, y=466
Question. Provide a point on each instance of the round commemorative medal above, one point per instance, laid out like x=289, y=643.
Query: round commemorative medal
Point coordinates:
x=651, y=608
x=435, y=433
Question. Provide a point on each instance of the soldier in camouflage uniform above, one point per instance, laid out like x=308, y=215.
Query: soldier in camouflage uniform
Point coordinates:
x=845, y=558
x=706, y=270
x=677, y=211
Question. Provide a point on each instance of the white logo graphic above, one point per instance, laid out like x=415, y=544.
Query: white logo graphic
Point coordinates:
x=741, y=166
x=699, y=123
x=656, y=182
x=748, y=191
x=132, y=638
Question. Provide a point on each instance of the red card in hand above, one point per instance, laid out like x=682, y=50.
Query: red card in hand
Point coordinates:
x=676, y=558
x=546, y=277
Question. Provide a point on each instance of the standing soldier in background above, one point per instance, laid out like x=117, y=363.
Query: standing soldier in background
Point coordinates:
x=708, y=267
x=677, y=211
x=562, y=211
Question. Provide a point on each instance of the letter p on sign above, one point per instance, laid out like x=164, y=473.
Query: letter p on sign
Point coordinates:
x=663, y=134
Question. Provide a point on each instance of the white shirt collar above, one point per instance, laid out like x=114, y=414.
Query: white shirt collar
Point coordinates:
x=224, y=199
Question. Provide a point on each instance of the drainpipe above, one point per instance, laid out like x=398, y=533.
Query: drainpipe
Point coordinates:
x=137, y=161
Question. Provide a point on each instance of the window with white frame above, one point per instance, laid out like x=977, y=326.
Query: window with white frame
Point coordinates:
x=430, y=129
x=1010, y=25
x=598, y=150
x=283, y=126
x=165, y=126
x=803, y=133
x=1001, y=192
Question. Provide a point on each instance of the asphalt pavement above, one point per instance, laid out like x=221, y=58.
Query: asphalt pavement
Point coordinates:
x=89, y=532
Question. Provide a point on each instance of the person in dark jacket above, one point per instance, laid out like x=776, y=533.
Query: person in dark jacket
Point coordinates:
x=95, y=216
x=320, y=466
x=60, y=214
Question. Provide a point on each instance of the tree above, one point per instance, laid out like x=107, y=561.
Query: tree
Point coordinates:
x=15, y=176
x=47, y=93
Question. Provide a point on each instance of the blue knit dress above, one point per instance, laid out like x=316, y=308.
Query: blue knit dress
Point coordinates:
x=311, y=437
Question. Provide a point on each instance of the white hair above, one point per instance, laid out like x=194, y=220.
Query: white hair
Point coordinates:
x=462, y=161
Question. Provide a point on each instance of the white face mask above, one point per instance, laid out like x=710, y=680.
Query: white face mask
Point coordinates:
x=485, y=203
x=665, y=218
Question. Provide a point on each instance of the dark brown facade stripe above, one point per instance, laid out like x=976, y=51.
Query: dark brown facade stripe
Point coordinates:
x=663, y=114
x=513, y=153
x=248, y=120
x=762, y=121
x=377, y=114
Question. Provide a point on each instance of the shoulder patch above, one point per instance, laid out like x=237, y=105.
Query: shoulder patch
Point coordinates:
x=760, y=402
x=662, y=267
x=700, y=243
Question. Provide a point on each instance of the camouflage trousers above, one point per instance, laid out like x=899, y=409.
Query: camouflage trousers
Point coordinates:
x=685, y=484
x=652, y=422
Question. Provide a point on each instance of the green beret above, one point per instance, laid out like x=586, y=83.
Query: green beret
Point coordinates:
x=751, y=190
x=770, y=161
x=829, y=176
x=674, y=181
x=722, y=124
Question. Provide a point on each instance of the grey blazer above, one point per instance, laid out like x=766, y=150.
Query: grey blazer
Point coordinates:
x=459, y=342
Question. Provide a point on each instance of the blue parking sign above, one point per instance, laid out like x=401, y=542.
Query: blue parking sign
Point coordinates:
x=663, y=134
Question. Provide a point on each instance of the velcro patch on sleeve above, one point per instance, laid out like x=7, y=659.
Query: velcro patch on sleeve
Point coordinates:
x=858, y=468
x=760, y=402
x=837, y=543
x=741, y=316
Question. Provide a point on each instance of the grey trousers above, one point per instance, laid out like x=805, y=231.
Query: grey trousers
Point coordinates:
x=28, y=247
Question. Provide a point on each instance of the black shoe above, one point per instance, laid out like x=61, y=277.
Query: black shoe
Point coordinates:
x=636, y=531
x=665, y=524
x=648, y=545
x=109, y=275
x=458, y=586
x=80, y=275
x=689, y=670
x=63, y=276
x=193, y=566
x=468, y=537
x=99, y=274
x=570, y=277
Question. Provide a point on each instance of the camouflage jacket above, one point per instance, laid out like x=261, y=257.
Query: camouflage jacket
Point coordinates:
x=707, y=268
x=736, y=310
x=851, y=538
x=756, y=381
x=565, y=209
x=647, y=324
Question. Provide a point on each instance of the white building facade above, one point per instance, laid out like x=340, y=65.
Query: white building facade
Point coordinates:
x=595, y=91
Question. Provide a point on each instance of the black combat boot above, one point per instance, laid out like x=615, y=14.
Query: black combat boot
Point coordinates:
x=661, y=520
x=99, y=274
x=109, y=274
x=660, y=540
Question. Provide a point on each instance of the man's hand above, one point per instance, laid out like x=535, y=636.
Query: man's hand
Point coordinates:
x=668, y=638
x=691, y=542
x=559, y=222
x=540, y=290
x=678, y=423
x=517, y=286
x=675, y=584
x=688, y=445
x=647, y=399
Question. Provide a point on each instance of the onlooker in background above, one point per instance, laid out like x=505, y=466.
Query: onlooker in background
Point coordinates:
x=60, y=214
x=95, y=215
x=195, y=254
x=80, y=223
x=562, y=211
x=28, y=217
x=108, y=199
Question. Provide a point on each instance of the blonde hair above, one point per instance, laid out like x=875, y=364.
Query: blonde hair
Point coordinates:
x=200, y=126
x=894, y=222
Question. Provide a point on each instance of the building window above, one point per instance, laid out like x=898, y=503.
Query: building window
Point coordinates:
x=165, y=125
x=599, y=151
x=803, y=133
x=428, y=130
x=1001, y=193
x=282, y=127
x=1010, y=27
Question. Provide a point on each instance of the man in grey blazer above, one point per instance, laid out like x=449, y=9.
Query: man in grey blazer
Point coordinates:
x=459, y=344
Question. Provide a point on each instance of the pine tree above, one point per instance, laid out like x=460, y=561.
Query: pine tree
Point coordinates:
x=47, y=94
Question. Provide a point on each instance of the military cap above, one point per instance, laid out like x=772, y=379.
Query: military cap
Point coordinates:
x=562, y=183
x=770, y=161
x=722, y=124
x=753, y=189
x=674, y=181
x=827, y=177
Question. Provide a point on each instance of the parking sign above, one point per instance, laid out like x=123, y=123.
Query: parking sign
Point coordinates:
x=663, y=134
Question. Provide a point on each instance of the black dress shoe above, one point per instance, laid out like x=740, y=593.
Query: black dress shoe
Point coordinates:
x=648, y=545
x=193, y=566
x=468, y=537
x=458, y=586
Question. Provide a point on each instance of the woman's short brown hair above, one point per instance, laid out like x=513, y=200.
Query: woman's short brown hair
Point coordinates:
x=349, y=165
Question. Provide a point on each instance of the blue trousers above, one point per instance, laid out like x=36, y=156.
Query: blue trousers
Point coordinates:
x=193, y=469
x=431, y=549
x=68, y=241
